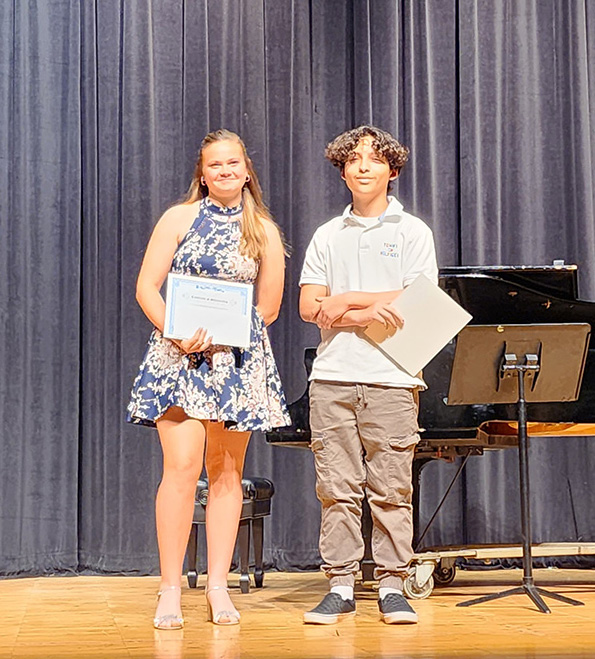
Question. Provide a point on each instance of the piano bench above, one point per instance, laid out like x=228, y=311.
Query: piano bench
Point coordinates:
x=256, y=505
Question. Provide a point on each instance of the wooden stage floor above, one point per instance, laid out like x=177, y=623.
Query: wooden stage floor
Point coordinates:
x=65, y=617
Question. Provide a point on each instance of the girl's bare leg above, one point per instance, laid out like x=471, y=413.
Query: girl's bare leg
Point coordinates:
x=224, y=461
x=183, y=442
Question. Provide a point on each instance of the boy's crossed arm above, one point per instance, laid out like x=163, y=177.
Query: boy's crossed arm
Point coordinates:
x=351, y=309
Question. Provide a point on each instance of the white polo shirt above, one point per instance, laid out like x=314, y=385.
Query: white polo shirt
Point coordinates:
x=351, y=253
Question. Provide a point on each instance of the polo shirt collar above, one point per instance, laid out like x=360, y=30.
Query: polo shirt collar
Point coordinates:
x=392, y=213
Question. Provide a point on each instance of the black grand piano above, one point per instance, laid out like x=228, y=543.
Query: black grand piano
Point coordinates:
x=494, y=295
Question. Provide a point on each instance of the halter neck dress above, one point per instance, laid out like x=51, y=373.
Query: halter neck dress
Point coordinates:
x=239, y=387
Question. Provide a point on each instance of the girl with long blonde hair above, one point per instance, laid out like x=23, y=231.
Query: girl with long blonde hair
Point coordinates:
x=205, y=398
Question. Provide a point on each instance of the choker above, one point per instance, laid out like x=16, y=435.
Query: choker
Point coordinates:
x=223, y=210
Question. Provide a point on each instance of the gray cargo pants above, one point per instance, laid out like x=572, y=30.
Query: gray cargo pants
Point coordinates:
x=363, y=439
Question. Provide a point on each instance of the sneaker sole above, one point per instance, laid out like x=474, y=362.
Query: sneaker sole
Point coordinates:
x=399, y=618
x=321, y=619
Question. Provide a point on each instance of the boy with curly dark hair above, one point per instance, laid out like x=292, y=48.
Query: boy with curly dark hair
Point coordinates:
x=363, y=412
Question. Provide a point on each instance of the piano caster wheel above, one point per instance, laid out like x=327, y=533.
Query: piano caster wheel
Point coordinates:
x=415, y=591
x=444, y=575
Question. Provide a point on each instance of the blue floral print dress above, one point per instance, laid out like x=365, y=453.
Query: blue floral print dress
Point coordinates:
x=240, y=387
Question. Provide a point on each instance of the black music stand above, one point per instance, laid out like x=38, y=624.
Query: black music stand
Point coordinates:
x=520, y=364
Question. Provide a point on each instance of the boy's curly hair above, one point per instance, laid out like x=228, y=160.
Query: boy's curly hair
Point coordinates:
x=383, y=143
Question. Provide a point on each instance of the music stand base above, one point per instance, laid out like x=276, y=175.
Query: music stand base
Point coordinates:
x=534, y=592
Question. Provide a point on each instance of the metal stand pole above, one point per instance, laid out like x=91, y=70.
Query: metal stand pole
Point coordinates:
x=529, y=588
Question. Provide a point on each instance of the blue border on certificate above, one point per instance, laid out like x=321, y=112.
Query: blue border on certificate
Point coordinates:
x=178, y=280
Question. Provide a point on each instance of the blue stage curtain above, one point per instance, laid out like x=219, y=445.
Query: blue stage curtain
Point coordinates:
x=102, y=108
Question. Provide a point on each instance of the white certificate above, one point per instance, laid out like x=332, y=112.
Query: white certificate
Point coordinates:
x=223, y=308
x=432, y=318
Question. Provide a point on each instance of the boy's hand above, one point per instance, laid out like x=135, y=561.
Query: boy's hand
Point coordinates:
x=331, y=308
x=381, y=311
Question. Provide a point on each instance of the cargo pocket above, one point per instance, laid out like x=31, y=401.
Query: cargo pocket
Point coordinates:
x=400, y=460
x=405, y=429
x=320, y=449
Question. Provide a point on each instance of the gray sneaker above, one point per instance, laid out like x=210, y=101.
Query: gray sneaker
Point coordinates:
x=395, y=609
x=331, y=610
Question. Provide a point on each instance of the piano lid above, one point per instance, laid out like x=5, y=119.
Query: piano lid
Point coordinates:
x=557, y=280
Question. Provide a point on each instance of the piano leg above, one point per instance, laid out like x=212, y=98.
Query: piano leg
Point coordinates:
x=367, y=564
x=418, y=465
x=257, y=541
x=244, y=541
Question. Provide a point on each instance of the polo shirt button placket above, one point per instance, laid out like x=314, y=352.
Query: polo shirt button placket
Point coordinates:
x=364, y=248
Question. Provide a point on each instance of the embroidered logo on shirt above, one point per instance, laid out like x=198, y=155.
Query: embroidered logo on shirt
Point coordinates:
x=390, y=249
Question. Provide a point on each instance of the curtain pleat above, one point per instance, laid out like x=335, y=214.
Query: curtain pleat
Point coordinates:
x=40, y=282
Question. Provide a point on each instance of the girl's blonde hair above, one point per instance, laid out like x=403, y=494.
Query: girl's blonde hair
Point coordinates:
x=254, y=238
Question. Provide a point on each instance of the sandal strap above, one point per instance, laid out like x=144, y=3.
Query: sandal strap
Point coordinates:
x=210, y=588
x=167, y=617
x=228, y=614
x=163, y=590
x=159, y=622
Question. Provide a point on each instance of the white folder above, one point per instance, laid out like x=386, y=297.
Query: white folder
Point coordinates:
x=432, y=319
